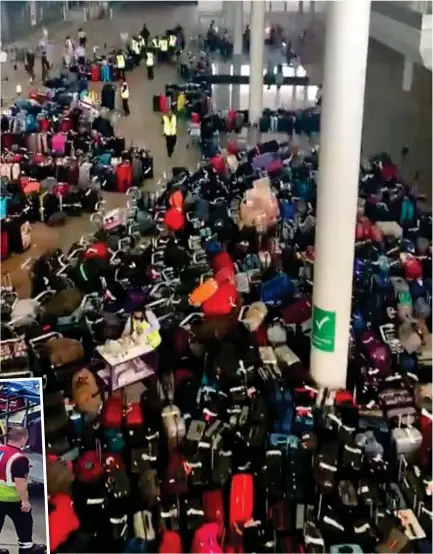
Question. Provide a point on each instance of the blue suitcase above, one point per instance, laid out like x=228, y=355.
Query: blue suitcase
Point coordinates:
x=105, y=73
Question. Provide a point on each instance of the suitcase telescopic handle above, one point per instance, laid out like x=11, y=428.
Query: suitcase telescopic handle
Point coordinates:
x=242, y=312
x=26, y=264
x=51, y=335
x=186, y=322
x=41, y=295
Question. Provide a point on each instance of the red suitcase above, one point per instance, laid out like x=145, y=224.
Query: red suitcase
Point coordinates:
x=88, y=468
x=112, y=414
x=195, y=117
x=95, y=72
x=233, y=148
x=241, y=500
x=44, y=125
x=171, y=543
x=4, y=244
x=124, y=177
x=217, y=163
x=134, y=415
x=213, y=506
x=65, y=125
x=162, y=104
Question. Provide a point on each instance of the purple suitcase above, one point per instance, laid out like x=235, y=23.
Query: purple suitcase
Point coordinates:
x=260, y=162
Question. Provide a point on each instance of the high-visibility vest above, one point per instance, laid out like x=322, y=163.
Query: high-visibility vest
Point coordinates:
x=8, y=490
x=124, y=92
x=155, y=43
x=163, y=44
x=120, y=59
x=134, y=46
x=153, y=337
x=170, y=125
x=172, y=41
x=142, y=42
x=150, y=59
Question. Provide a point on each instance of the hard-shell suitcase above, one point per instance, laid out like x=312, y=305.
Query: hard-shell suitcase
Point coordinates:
x=35, y=435
x=241, y=499
x=4, y=242
x=162, y=104
x=95, y=72
x=108, y=97
x=105, y=73
x=124, y=177
x=156, y=103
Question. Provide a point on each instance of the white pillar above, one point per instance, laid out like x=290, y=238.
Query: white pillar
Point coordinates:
x=340, y=148
x=228, y=9
x=301, y=7
x=238, y=27
x=33, y=13
x=407, y=75
x=257, y=47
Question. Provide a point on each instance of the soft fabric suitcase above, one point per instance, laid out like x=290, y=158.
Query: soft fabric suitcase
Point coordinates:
x=124, y=177
x=275, y=167
x=95, y=72
x=19, y=235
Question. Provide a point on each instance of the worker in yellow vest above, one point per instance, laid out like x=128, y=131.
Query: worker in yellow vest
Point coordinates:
x=124, y=96
x=172, y=41
x=14, y=495
x=163, y=47
x=136, y=51
x=169, y=130
x=142, y=44
x=121, y=64
x=155, y=43
x=150, y=62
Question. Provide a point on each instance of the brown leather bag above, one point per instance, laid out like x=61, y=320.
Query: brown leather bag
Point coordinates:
x=63, y=303
x=59, y=477
x=85, y=392
x=63, y=351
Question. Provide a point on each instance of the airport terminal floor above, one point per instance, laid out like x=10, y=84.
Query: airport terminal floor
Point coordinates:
x=392, y=118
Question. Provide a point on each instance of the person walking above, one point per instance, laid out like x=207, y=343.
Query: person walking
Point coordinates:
x=163, y=46
x=30, y=64
x=145, y=33
x=124, y=95
x=82, y=38
x=45, y=66
x=169, y=130
x=14, y=496
x=150, y=62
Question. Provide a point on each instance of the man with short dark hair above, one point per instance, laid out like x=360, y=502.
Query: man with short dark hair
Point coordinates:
x=14, y=496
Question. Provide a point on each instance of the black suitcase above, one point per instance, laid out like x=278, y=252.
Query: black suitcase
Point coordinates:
x=155, y=103
x=108, y=97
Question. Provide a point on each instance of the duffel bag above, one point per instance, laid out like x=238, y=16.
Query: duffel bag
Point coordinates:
x=85, y=392
x=63, y=303
x=63, y=351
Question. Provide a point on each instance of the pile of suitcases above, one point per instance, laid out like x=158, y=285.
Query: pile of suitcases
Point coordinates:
x=302, y=122
x=56, y=158
x=180, y=414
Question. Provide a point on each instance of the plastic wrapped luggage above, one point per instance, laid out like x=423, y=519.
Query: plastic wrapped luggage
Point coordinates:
x=124, y=177
x=95, y=72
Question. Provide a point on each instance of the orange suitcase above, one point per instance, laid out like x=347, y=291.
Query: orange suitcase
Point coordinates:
x=203, y=292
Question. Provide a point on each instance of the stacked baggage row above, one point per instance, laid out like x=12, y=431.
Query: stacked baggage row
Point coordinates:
x=57, y=157
x=174, y=343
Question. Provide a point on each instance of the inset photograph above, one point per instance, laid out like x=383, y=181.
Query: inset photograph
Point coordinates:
x=23, y=505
